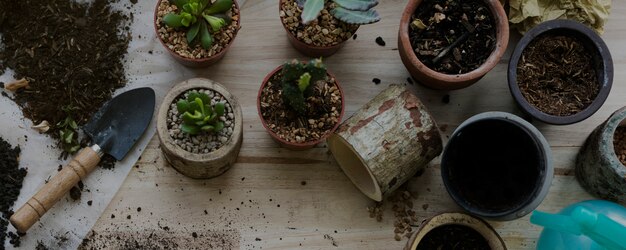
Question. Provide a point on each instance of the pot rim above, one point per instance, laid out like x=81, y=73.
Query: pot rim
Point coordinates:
x=308, y=46
x=195, y=60
x=581, y=32
x=198, y=83
x=542, y=185
x=455, y=81
x=457, y=218
x=295, y=144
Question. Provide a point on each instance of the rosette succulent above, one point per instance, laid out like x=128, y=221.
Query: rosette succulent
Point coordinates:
x=200, y=18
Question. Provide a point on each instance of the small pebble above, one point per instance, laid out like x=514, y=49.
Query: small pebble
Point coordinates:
x=380, y=41
x=376, y=81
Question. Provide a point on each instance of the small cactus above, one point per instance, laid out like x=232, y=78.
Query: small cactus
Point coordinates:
x=198, y=114
x=297, y=82
x=348, y=11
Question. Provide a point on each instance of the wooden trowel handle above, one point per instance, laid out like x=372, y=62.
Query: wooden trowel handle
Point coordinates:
x=55, y=189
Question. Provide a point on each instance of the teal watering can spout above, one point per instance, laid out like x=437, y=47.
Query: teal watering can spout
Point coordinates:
x=606, y=232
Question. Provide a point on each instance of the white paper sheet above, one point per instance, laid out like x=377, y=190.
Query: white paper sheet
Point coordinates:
x=67, y=223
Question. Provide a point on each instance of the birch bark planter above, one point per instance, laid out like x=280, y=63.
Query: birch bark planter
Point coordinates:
x=199, y=62
x=497, y=166
x=437, y=80
x=480, y=226
x=598, y=169
x=198, y=165
x=295, y=145
x=386, y=142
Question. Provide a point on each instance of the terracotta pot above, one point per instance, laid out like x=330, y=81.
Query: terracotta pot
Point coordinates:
x=294, y=145
x=591, y=41
x=437, y=80
x=480, y=226
x=306, y=49
x=519, y=166
x=200, y=166
x=598, y=169
x=200, y=62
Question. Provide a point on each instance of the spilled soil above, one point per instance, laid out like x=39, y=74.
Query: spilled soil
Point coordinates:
x=11, y=177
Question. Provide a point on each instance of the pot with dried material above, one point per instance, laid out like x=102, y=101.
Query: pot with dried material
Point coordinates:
x=561, y=72
x=319, y=28
x=200, y=128
x=601, y=162
x=455, y=231
x=451, y=44
x=197, y=33
x=300, y=104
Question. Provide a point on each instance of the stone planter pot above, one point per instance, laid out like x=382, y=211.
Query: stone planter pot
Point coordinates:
x=480, y=226
x=198, y=62
x=437, y=80
x=497, y=166
x=198, y=165
x=307, y=49
x=598, y=169
x=386, y=142
x=293, y=145
x=592, y=42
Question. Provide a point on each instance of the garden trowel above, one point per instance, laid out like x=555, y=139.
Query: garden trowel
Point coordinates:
x=114, y=129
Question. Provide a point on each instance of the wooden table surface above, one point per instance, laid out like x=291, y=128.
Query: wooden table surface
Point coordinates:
x=261, y=203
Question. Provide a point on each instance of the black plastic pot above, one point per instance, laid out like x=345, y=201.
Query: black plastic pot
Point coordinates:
x=497, y=166
x=592, y=42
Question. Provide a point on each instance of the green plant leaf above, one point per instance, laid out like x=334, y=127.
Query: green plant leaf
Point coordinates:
x=219, y=108
x=311, y=10
x=173, y=20
x=193, y=32
x=219, y=126
x=200, y=123
x=216, y=23
x=182, y=106
x=208, y=110
x=189, y=129
x=292, y=71
x=180, y=3
x=187, y=19
x=191, y=97
x=204, y=4
x=208, y=128
x=304, y=81
x=205, y=36
x=228, y=19
x=73, y=124
x=355, y=17
x=72, y=149
x=361, y=5
x=219, y=6
x=317, y=70
x=68, y=136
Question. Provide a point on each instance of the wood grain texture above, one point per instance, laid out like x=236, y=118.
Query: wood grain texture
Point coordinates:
x=246, y=198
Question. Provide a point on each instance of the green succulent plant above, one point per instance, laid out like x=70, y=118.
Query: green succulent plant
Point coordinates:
x=297, y=82
x=69, y=135
x=198, y=115
x=200, y=18
x=348, y=11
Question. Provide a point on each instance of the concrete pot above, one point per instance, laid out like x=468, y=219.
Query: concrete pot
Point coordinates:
x=598, y=169
x=497, y=166
x=197, y=62
x=480, y=226
x=200, y=166
x=592, y=41
x=436, y=80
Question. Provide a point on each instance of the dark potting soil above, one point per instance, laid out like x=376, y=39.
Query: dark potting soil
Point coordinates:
x=619, y=143
x=71, y=53
x=493, y=165
x=453, y=237
x=452, y=36
x=11, y=177
x=556, y=74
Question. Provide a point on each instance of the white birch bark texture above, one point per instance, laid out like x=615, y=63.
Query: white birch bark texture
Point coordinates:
x=386, y=142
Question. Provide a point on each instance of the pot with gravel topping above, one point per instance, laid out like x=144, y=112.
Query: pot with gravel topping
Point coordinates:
x=200, y=128
x=300, y=104
x=319, y=28
x=197, y=33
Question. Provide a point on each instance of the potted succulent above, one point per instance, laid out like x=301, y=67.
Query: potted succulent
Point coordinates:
x=200, y=128
x=318, y=28
x=197, y=33
x=455, y=231
x=497, y=166
x=300, y=104
x=561, y=72
x=451, y=44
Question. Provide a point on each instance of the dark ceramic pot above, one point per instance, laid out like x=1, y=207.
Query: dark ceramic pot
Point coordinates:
x=601, y=59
